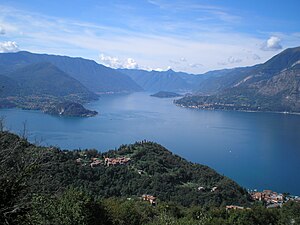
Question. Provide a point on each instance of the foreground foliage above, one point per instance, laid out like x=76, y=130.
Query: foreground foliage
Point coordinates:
x=41, y=185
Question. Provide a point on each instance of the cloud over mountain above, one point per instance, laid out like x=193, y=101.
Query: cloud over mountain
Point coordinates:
x=8, y=46
x=116, y=63
x=183, y=63
x=231, y=60
x=272, y=44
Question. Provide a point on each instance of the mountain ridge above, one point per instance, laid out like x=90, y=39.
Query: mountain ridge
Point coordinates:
x=159, y=80
x=46, y=79
x=94, y=76
x=264, y=87
x=43, y=86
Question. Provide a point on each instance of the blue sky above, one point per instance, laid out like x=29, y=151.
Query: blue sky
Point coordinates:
x=185, y=35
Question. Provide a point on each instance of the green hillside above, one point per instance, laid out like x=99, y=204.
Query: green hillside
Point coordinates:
x=152, y=169
x=45, y=185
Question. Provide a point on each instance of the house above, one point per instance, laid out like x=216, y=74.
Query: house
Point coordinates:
x=201, y=188
x=214, y=189
x=95, y=163
x=235, y=207
x=79, y=160
x=149, y=198
x=116, y=161
x=268, y=196
x=258, y=196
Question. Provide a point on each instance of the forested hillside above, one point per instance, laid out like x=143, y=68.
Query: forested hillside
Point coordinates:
x=45, y=185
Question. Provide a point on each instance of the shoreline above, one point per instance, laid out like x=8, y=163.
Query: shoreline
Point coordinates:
x=236, y=110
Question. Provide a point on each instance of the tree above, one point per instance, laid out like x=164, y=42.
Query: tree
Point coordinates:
x=24, y=131
x=290, y=213
x=73, y=207
x=17, y=162
x=2, y=123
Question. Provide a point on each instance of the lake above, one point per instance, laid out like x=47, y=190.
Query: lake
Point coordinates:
x=258, y=150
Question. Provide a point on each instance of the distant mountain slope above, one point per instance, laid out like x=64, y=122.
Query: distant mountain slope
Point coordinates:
x=46, y=79
x=8, y=87
x=95, y=77
x=162, y=81
x=42, y=86
x=272, y=86
x=207, y=83
x=286, y=59
x=219, y=80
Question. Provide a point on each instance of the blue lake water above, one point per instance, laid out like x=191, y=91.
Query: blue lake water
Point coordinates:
x=258, y=150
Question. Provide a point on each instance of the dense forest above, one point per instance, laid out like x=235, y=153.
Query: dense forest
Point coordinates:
x=46, y=185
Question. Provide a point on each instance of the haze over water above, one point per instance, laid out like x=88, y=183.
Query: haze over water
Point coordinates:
x=258, y=150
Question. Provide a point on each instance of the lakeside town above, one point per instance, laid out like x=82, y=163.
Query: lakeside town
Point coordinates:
x=272, y=199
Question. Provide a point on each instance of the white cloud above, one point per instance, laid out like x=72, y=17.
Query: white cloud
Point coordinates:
x=109, y=61
x=195, y=65
x=161, y=69
x=256, y=57
x=232, y=59
x=2, y=30
x=272, y=44
x=8, y=46
x=116, y=63
x=174, y=62
x=222, y=63
x=131, y=64
x=183, y=63
x=52, y=35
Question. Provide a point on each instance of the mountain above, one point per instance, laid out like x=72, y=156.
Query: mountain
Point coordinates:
x=286, y=59
x=8, y=87
x=207, y=83
x=42, y=86
x=162, y=81
x=220, y=80
x=95, y=77
x=271, y=86
x=46, y=79
x=213, y=82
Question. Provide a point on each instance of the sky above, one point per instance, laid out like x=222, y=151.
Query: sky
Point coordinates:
x=193, y=36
